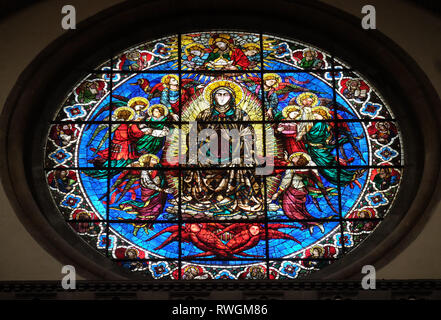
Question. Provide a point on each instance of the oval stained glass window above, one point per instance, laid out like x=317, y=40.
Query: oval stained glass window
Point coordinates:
x=223, y=155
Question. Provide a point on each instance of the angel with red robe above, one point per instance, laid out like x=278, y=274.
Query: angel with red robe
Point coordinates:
x=123, y=151
x=292, y=132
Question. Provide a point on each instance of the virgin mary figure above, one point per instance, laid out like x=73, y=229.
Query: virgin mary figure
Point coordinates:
x=221, y=188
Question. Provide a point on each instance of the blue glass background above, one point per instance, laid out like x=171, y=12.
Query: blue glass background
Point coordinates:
x=280, y=248
x=94, y=188
x=84, y=150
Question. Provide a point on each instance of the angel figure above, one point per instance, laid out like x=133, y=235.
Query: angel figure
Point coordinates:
x=318, y=144
x=296, y=186
x=123, y=151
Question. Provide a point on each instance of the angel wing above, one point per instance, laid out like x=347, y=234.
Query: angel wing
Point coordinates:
x=101, y=127
x=285, y=88
x=329, y=103
x=110, y=106
x=122, y=185
x=156, y=91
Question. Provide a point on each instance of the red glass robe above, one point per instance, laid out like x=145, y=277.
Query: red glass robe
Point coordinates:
x=123, y=143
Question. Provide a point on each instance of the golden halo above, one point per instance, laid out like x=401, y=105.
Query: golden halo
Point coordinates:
x=307, y=95
x=262, y=268
x=192, y=45
x=144, y=157
x=288, y=109
x=238, y=92
x=190, y=267
x=166, y=79
x=319, y=248
x=138, y=101
x=315, y=109
x=270, y=76
x=160, y=106
x=251, y=46
x=81, y=212
x=307, y=156
x=118, y=110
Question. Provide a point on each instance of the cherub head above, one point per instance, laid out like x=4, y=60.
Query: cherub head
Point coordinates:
x=291, y=112
x=320, y=113
x=157, y=112
x=124, y=114
x=317, y=252
x=133, y=55
x=131, y=253
x=195, y=50
x=353, y=84
x=254, y=229
x=271, y=80
x=148, y=160
x=139, y=105
x=310, y=54
x=307, y=99
x=170, y=81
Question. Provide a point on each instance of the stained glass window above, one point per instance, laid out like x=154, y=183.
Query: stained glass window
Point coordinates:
x=223, y=155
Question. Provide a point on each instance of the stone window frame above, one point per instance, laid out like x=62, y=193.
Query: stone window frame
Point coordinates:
x=43, y=84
